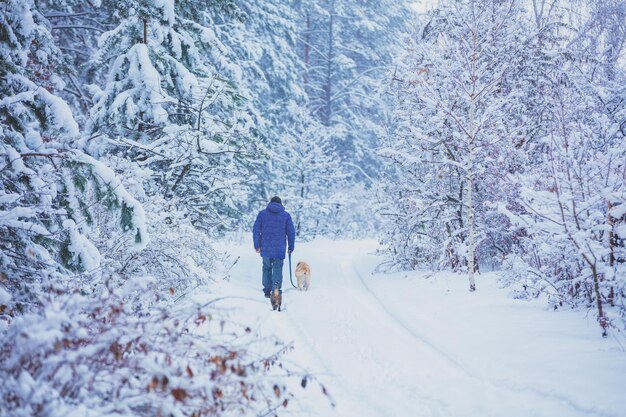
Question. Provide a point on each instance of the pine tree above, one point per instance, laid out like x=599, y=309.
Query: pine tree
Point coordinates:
x=76, y=26
x=346, y=47
x=174, y=102
x=49, y=186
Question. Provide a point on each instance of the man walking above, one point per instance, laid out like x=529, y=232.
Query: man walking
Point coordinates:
x=272, y=229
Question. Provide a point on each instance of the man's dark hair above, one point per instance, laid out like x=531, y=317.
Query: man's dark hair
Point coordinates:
x=276, y=199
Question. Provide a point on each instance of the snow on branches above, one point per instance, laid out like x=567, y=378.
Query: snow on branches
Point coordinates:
x=508, y=143
x=94, y=318
x=122, y=353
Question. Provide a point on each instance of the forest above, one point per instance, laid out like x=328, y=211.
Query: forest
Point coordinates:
x=141, y=137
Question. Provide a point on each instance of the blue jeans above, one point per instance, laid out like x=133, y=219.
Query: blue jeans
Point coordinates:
x=272, y=274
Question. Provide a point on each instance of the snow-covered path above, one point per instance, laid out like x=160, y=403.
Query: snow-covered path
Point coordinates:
x=402, y=346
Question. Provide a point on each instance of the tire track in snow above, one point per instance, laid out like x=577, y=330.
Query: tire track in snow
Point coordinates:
x=340, y=316
x=586, y=411
x=441, y=352
x=320, y=360
x=287, y=323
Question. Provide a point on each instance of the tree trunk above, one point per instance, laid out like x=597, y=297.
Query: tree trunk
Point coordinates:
x=145, y=42
x=307, y=40
x=329, y=68
x=470, y=172
x=596, y=285
x=470, y=207
x=299, y=223
x=611, y=299
x=145, y=31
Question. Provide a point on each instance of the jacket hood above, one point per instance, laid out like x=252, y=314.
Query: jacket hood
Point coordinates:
x=275, y=207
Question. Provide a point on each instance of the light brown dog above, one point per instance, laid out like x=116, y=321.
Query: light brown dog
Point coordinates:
x=303, y=274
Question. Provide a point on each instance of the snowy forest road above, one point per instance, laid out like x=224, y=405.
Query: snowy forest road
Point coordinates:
x=367, y=348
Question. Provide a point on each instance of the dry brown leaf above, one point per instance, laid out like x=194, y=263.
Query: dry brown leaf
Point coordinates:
x=217, y=393
x=154, y=383
x=116, y=350
x=179, y=394
x=200, y=319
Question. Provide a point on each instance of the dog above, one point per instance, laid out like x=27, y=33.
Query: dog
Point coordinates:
x=303, y=274
x=276, y=299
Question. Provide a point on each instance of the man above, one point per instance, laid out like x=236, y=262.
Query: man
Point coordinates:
x=272, y=228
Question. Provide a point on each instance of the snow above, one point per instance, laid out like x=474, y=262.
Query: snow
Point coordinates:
x=17, y=163
x=5, y=297
x=82, y=247
x=140, y=283
x=419, y=342
x=209, y=146
x=423, y=6
x=61, y=115
x=107, y=175
x=618, y=211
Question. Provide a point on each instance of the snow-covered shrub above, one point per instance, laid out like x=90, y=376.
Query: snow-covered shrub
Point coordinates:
x=571, y=205
x=178, y=255
x=120, y=352
x=570, y=190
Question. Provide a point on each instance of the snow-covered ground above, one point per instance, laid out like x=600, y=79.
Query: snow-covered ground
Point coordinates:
x=419, y=344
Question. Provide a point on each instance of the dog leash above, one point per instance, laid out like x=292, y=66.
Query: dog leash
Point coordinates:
x=290, y=278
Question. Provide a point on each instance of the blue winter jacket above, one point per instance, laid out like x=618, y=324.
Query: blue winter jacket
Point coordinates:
x=272, y=228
